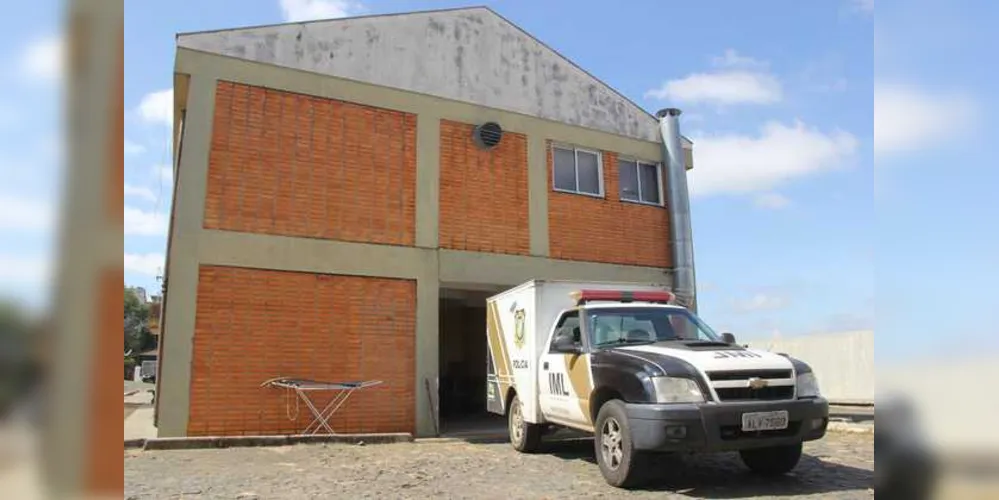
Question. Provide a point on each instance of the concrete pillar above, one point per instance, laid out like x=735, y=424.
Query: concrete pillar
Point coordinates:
x=427, y=340
x=428, y=140
x=182, y=267
x=537, y=189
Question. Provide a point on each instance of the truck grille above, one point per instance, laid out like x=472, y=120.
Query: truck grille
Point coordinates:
x=747, y=374
x=733, y=385
x=747, y=394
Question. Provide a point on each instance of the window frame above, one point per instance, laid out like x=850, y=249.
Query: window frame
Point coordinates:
x=659, y=179
x=565, y=315
x=575, y=156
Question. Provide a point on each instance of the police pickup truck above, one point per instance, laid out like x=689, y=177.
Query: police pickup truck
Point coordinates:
x=624, y=363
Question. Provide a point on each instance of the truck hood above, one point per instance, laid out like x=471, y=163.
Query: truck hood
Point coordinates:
x=711, y=356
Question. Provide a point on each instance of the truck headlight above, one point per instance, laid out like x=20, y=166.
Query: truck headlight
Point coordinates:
x=808, y=385
x=676, y=390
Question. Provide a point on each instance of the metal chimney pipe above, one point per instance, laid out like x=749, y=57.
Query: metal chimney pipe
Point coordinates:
x=678, y=205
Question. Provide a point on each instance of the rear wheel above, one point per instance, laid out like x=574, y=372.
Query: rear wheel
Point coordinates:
x=772, y=461
x=524, y=436
x=619, y=463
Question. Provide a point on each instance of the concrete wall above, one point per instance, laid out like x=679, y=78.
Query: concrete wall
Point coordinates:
x=843, y=362
x=471, y=55
x=952, y=398
x=192, y=245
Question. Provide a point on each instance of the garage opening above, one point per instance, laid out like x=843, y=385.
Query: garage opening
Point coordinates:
x=462, y=372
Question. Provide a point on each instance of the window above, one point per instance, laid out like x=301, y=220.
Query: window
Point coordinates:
x=640, y=181
x=577, y=171
x=568, y=324
x=638, y=325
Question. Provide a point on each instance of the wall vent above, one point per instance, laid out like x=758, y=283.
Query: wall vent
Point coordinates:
x=487, y=135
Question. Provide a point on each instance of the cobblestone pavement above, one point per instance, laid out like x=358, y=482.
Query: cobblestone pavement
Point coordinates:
x=839, y=466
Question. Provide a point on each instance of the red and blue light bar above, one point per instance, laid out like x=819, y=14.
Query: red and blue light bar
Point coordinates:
x=653, y=296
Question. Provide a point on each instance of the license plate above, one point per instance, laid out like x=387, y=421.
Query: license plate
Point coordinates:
x=764, y=421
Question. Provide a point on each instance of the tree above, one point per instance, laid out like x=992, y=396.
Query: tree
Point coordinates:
x=137, y=335
x=17, y=364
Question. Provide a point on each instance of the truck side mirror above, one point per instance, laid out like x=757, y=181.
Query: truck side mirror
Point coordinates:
x=565, y=343
x=728, y=338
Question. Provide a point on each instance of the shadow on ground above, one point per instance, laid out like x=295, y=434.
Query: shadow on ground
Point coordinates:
x=722, y=475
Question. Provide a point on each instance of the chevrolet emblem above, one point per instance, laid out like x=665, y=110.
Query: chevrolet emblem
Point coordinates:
x=757, y=383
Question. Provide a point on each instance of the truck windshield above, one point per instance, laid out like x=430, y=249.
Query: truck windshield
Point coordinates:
x=643, y=325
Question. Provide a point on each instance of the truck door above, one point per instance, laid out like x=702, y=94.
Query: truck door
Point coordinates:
x=564, y=378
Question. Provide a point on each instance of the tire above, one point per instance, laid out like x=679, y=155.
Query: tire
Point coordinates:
x=773, y=461
x=620, y=464
x=524, y=436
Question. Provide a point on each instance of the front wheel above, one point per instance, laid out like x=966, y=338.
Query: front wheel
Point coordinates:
x=524, y=436
x=772, y=461
x=620, y=464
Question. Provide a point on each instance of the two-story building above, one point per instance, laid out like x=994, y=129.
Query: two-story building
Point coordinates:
x=349, y=191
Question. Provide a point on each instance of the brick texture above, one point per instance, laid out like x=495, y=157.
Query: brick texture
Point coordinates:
x=607, y=230
x=253, y=325
x=297, y=165
x=483, y=193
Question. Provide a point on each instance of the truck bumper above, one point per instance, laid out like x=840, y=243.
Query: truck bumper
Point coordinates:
x=718, y=427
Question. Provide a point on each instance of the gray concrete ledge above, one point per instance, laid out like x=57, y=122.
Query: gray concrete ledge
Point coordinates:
x=134, y=443
x=850, y=427
x=191, y=443
x=855, y=414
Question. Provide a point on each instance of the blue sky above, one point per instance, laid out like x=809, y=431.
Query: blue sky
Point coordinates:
x=796, y=210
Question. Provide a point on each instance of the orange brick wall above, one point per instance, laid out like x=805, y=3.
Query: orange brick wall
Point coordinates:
x=606, y=230
x=253, y=325
x=291, y=164
x=483, y=193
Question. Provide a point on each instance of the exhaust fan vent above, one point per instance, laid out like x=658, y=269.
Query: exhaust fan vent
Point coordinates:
x=488, y=135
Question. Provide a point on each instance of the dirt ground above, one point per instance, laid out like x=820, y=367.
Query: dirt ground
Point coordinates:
x=839, y=466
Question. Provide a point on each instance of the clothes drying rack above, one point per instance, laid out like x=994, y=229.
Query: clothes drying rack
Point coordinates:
x=302, y=389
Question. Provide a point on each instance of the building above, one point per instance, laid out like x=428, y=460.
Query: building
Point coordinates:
x=342, y=208
x=140, y=293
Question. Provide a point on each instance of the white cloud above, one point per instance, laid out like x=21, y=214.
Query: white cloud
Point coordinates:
x=164, y=173
x=737, y=79
x=760, y=302
x=23, y=214
x=42, y=59
x=132, y=148
x=157, y=107
x=307, y=10
x=140, y=192
x=907, y=118
x=23, y=269
x=722, y=87
x=142, y=223
x=744, y=164
x=824, y=74
x=732, y=59
x=837, y=85
x=772, y=201
x=149, y=264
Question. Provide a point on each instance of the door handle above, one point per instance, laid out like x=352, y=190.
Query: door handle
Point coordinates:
x=544, y=366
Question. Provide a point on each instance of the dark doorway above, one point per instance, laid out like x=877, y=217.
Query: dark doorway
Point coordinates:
x=462, y=354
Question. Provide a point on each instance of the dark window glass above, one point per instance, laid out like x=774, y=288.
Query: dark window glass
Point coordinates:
x=649, y=175
x=567, y=325
x=565, y=169
x=589, y=172
x=628, y=180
